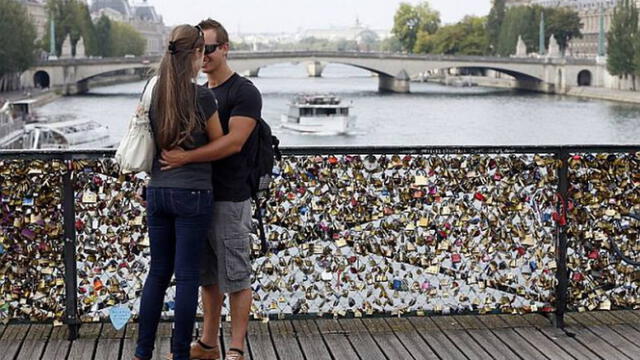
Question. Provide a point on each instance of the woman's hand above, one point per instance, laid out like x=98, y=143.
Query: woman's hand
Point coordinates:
x=174, y=158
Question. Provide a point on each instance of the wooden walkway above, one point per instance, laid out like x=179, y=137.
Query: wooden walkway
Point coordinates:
x=597, y=335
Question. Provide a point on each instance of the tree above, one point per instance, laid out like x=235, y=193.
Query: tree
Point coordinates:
x=468, y=37
x=17, y=43
x=88, y=31
x=564, y=24
x=391, y=44
x=425, y=42
x=524, y=21
x=68, y=20
x=103, y=37
x=126, y=40
x=623, y=41
x=494, y=23
x=518, y=21
x=409, y=21
x=636, y=60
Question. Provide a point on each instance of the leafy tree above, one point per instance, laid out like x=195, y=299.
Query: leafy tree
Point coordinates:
x=623, y=41
x=636, y=59
x=409, y=21
x=468, y=37
x=88, y=31
x=391, y=44
x=494, y=23
x=524, y=21
x=564, y=24
x=425, y=42
x=126, y=40
x=17, y=43
x=518, y=21
x=346, y=45
x=68, y=20
x=240, y=46
x=103, y=37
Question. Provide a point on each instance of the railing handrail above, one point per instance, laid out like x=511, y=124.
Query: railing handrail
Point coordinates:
x=360, y=150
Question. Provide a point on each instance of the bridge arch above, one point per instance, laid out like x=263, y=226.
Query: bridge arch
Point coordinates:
x=585, y=78
x=85, y=76
x=41, y=79
x=515, y=74
x=257, y=68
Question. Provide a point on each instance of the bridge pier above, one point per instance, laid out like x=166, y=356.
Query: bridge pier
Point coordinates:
x=535, y=85
x=401, y=83
x=315, y=68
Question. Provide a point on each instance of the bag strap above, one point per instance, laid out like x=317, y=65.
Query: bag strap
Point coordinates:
x=147, y=93
x=264, y=245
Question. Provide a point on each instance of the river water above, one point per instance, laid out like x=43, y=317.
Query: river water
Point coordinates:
x=430, y=115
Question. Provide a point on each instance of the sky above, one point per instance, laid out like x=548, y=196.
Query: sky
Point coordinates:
x=272, y=16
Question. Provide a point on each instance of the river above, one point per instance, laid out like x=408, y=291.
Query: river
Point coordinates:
x=430, y=115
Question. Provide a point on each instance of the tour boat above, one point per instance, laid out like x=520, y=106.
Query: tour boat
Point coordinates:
x=11, y=128
x=70, y=134
x=318, y=114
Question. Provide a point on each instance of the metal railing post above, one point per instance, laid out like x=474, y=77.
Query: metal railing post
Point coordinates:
x=561, y=241
x=70, y=267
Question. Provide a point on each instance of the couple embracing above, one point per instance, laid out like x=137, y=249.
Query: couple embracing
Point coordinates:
x=198, y=198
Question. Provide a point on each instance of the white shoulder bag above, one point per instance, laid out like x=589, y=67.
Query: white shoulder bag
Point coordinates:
x=138, y=148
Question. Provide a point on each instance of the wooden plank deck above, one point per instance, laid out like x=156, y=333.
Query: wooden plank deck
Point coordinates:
x=594, y=335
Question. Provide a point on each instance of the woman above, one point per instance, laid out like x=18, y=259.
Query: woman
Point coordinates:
x=179, y=201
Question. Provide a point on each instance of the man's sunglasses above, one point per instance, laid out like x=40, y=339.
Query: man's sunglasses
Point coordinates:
x=210, y=48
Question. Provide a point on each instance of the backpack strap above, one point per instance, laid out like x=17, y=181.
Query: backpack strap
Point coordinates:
x=264, y=245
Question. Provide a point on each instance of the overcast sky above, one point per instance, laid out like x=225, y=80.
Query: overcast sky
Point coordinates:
x=251, y=16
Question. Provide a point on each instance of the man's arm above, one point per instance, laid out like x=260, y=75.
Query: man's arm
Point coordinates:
x=240, y=128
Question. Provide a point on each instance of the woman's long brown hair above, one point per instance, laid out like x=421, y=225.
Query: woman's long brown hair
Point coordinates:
x=175, y=94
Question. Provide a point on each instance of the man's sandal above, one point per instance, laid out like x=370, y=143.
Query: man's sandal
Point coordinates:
x=201, y=351
x=234, y=354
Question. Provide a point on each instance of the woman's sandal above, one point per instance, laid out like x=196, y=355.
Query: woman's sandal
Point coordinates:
x=234, y=354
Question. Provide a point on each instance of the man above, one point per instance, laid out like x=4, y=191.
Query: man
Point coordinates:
x=225, y=267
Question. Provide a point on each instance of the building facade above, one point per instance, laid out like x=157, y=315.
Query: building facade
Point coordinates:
x=590, y=12
x=142, y=16
x=37, y=10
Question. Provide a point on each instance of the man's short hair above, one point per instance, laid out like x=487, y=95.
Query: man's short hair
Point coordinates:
x=221, y=33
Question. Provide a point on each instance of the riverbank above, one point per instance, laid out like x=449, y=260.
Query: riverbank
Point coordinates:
x=43, y=97
x=586, y=92
x=605, y=94
x=40, y=97
x=114, y=80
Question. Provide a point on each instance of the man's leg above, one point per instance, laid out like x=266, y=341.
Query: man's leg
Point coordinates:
x=212, y=300
x=235, y=274
x=240, y=307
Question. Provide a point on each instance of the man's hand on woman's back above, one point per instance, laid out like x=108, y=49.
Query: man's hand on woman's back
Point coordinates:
x=174, y=158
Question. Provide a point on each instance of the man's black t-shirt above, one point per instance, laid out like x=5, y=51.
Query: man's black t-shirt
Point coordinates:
x=236, y=97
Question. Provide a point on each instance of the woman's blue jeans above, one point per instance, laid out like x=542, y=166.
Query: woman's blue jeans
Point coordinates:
x=178, y=223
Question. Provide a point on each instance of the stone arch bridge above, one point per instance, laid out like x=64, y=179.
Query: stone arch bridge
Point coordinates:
x=394, y=70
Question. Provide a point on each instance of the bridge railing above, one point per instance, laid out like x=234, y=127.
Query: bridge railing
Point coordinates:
x=336, y=54
x=354, y=232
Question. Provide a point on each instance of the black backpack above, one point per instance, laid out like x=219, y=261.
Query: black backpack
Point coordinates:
x=261, y=174
x=267, y=151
